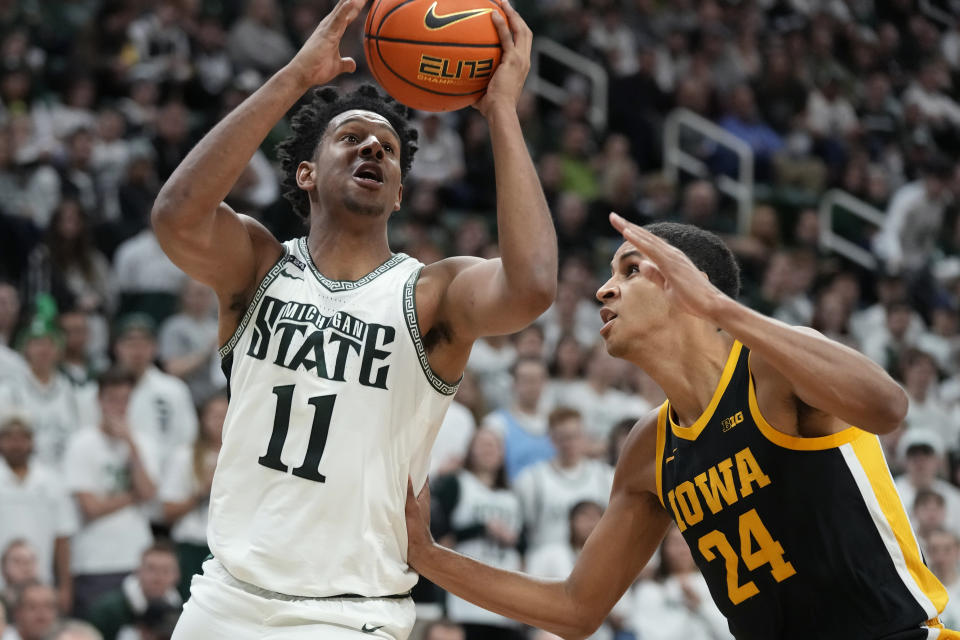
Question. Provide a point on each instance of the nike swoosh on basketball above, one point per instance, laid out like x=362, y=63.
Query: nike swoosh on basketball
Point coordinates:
x=368, y=629
x=433, y=20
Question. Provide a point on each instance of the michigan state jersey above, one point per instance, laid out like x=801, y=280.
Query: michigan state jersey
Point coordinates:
x=798, y=538
x=332, y=406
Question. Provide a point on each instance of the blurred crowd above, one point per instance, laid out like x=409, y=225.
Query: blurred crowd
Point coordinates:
x=111, y=396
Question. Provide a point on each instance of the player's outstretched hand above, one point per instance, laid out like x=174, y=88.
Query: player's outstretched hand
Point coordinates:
x=418, y=522
x=318, y=60
x=516, y=39
x=687, y=287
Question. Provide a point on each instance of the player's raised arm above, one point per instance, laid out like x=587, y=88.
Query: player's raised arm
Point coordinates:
x=794, y=362
x=625, y=538
x=504, y=295
x=205, y=237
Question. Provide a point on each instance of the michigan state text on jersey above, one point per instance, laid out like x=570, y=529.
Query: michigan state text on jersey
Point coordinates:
x=342, y=355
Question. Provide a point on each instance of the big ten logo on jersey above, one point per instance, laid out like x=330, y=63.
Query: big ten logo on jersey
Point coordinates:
x=295, y=335
x=446, y=70
x=716, y=489
x=732, y=421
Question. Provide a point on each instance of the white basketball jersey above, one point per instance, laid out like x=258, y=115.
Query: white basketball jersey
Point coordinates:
x=332, y=405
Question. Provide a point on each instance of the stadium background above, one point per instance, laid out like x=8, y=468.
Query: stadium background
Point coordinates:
x=819, y=137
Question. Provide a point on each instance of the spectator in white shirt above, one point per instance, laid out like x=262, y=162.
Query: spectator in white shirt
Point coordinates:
x=678, y=603
x=35, y=506
x=929, y=514
x=78, y=364
x=35, y=612
x=18, y=568
x=490, y=362
x=116, y=613
x=942, y=553
x=927, y=92
x=450, y=447
x=556, y=560
x=566, y=369
x=188, y=341
x=43, y=393
x=924, y=458
x=914, y=219
x=829, y=114
x=160, y=407
x=185, y=490
x=872, y=321
x=548, y=489
x=111, y=472
x=571, y=314
x=441, y=149
x=144, y=276
x=919, y=375
x=600, y=404
x=888, y=346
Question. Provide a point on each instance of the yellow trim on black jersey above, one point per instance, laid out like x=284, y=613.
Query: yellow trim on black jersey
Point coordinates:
x=691, y=432
x=797, y=443
x=870, y=455
x=942, y=632
x=661, y=443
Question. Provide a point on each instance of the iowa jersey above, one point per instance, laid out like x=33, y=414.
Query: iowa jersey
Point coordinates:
x=332, y=406
x=798, y=538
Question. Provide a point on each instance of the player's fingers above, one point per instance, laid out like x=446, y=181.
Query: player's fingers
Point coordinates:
x=347, y=65
x=650, y=245
x=345, y=12
x=503, y=30
x=650, y=271
x=522, y=35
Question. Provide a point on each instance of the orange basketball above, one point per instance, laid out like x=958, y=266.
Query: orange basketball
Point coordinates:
x=434, y=55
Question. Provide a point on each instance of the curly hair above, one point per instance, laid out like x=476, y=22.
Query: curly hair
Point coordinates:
x=310, y=123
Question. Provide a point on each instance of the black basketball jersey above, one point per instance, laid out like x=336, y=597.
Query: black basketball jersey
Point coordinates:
x=798, y=538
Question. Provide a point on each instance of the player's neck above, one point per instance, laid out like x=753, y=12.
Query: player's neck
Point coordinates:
x=687, y=365
x=344, y=251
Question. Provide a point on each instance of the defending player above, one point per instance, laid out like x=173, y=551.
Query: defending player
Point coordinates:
x=341, y=356
x=791, y=514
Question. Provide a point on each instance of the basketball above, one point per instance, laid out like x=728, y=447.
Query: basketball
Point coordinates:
x=433, y=55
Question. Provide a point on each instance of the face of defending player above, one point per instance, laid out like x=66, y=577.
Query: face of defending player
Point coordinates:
x=633, y=304
x=356, y=166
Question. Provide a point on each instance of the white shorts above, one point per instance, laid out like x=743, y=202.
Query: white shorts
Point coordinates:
x=224, y=608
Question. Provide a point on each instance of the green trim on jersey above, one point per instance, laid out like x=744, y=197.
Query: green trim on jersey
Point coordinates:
x=267, y=279
x=413, y=326
x=348, y=285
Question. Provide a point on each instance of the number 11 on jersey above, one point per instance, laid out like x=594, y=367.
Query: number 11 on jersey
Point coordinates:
x=322, y=413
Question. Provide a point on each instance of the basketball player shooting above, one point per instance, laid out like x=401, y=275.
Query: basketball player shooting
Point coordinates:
x=790, y=512
x=341, y=356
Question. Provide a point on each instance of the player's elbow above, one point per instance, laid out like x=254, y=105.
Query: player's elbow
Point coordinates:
x=541, y=292
x=584, y=626
x=163, y=212
x=892, y=410
x=579, y=621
